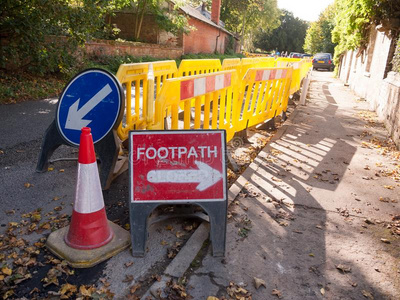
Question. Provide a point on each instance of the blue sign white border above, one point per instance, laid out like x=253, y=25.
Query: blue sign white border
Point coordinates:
x=119, y=116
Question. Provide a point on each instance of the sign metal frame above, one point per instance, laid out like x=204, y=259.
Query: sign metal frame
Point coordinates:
x=107, y=147
x=216, y=210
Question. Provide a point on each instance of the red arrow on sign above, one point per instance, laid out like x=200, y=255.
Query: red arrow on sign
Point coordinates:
x=204, y=175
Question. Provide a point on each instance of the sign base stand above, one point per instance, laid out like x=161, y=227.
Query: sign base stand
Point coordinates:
x=139, y=220
x=107, y=150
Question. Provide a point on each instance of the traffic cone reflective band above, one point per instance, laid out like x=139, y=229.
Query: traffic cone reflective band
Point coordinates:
x=89, y=228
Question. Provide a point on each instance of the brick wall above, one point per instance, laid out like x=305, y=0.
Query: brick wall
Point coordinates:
x=126, y=23
x=150, y=33
x=203, y=40
x=104, y=47
x=367, y=76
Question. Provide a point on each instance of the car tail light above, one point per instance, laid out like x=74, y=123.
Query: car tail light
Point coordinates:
x=330, y=62
x=313, y=60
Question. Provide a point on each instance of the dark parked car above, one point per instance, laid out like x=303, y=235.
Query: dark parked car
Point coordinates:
x=306, y=55
x=323, y=61
x=295, y=55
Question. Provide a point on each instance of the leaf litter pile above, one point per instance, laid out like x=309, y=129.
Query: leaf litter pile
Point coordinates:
x=21, y=260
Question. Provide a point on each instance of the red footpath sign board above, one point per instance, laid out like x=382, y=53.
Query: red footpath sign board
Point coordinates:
x=178, y=166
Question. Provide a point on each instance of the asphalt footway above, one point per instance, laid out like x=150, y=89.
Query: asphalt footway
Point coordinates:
x=310, y=220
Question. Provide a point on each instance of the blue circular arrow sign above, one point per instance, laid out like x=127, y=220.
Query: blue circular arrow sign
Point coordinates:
x=93, y=98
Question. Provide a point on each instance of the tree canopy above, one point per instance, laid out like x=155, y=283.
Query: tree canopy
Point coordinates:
x=355, y=18
x=289, y=36
x=44, y=35
x=319, y=37
x=245, y=17
x=28, y=27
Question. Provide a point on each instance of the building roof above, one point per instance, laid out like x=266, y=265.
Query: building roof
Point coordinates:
x=193, y=12
x=207, y=14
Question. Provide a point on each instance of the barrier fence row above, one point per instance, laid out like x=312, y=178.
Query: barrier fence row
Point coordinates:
x=234, y=95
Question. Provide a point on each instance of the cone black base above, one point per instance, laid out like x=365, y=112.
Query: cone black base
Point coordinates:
x=88, y=258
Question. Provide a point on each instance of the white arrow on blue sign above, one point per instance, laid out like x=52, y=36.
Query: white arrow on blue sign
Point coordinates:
x=92, y=99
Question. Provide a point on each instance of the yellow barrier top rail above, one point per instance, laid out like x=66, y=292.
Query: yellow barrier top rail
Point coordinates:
x=231, y=64
x=133, y=78
x=190, y=67
x=214, y=92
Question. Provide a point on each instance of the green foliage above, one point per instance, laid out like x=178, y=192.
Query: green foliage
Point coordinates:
x=230, y=47
x=245, y=16
x=289, y=36
x=31, y=31
x=354, y=18
x=319, y=37
x=166, y=15
x=396, y=58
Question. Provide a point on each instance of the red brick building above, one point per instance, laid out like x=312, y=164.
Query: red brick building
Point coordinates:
x=209, y=36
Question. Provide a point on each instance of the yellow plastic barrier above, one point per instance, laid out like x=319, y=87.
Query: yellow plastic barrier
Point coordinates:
x=190, y=67
x=266, y=62
x=305, y=67
x=247, y=54
x=134, y=76
x=248, y=63
x=139, y=112
x=231, y=64
x=296, y=63
x=264, y=94
x=217, y=91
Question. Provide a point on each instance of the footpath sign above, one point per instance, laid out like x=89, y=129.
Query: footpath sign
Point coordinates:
x=93, y=98
x=178, y=167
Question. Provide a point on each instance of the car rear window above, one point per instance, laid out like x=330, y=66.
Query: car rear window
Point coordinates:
x=322, y=56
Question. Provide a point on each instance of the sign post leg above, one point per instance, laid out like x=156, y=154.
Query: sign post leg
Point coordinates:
x=217, y=211
x=51, y=141
x=139, y=213
x=107, y=150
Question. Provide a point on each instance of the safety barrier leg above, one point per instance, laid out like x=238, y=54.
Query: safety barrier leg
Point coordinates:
x=107, y=150
x=269, y=125
x=139, y=213
x=284, y=116
x=217, y=212
x=51, y=141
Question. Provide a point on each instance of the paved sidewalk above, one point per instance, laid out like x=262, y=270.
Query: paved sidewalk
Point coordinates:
x=310, y=217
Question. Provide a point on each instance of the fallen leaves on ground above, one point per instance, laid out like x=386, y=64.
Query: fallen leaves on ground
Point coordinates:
x=259, y=282
x=244, y=226
x=237, y=292
x=277, y=293
x=367, y=295
x=174, y=250
x=343, y=268
x=343, y=212
x=67, y=290
x=128, y=264
x=176, y=291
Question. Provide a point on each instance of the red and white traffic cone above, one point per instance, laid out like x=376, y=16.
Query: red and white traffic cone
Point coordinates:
x=89, y=228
